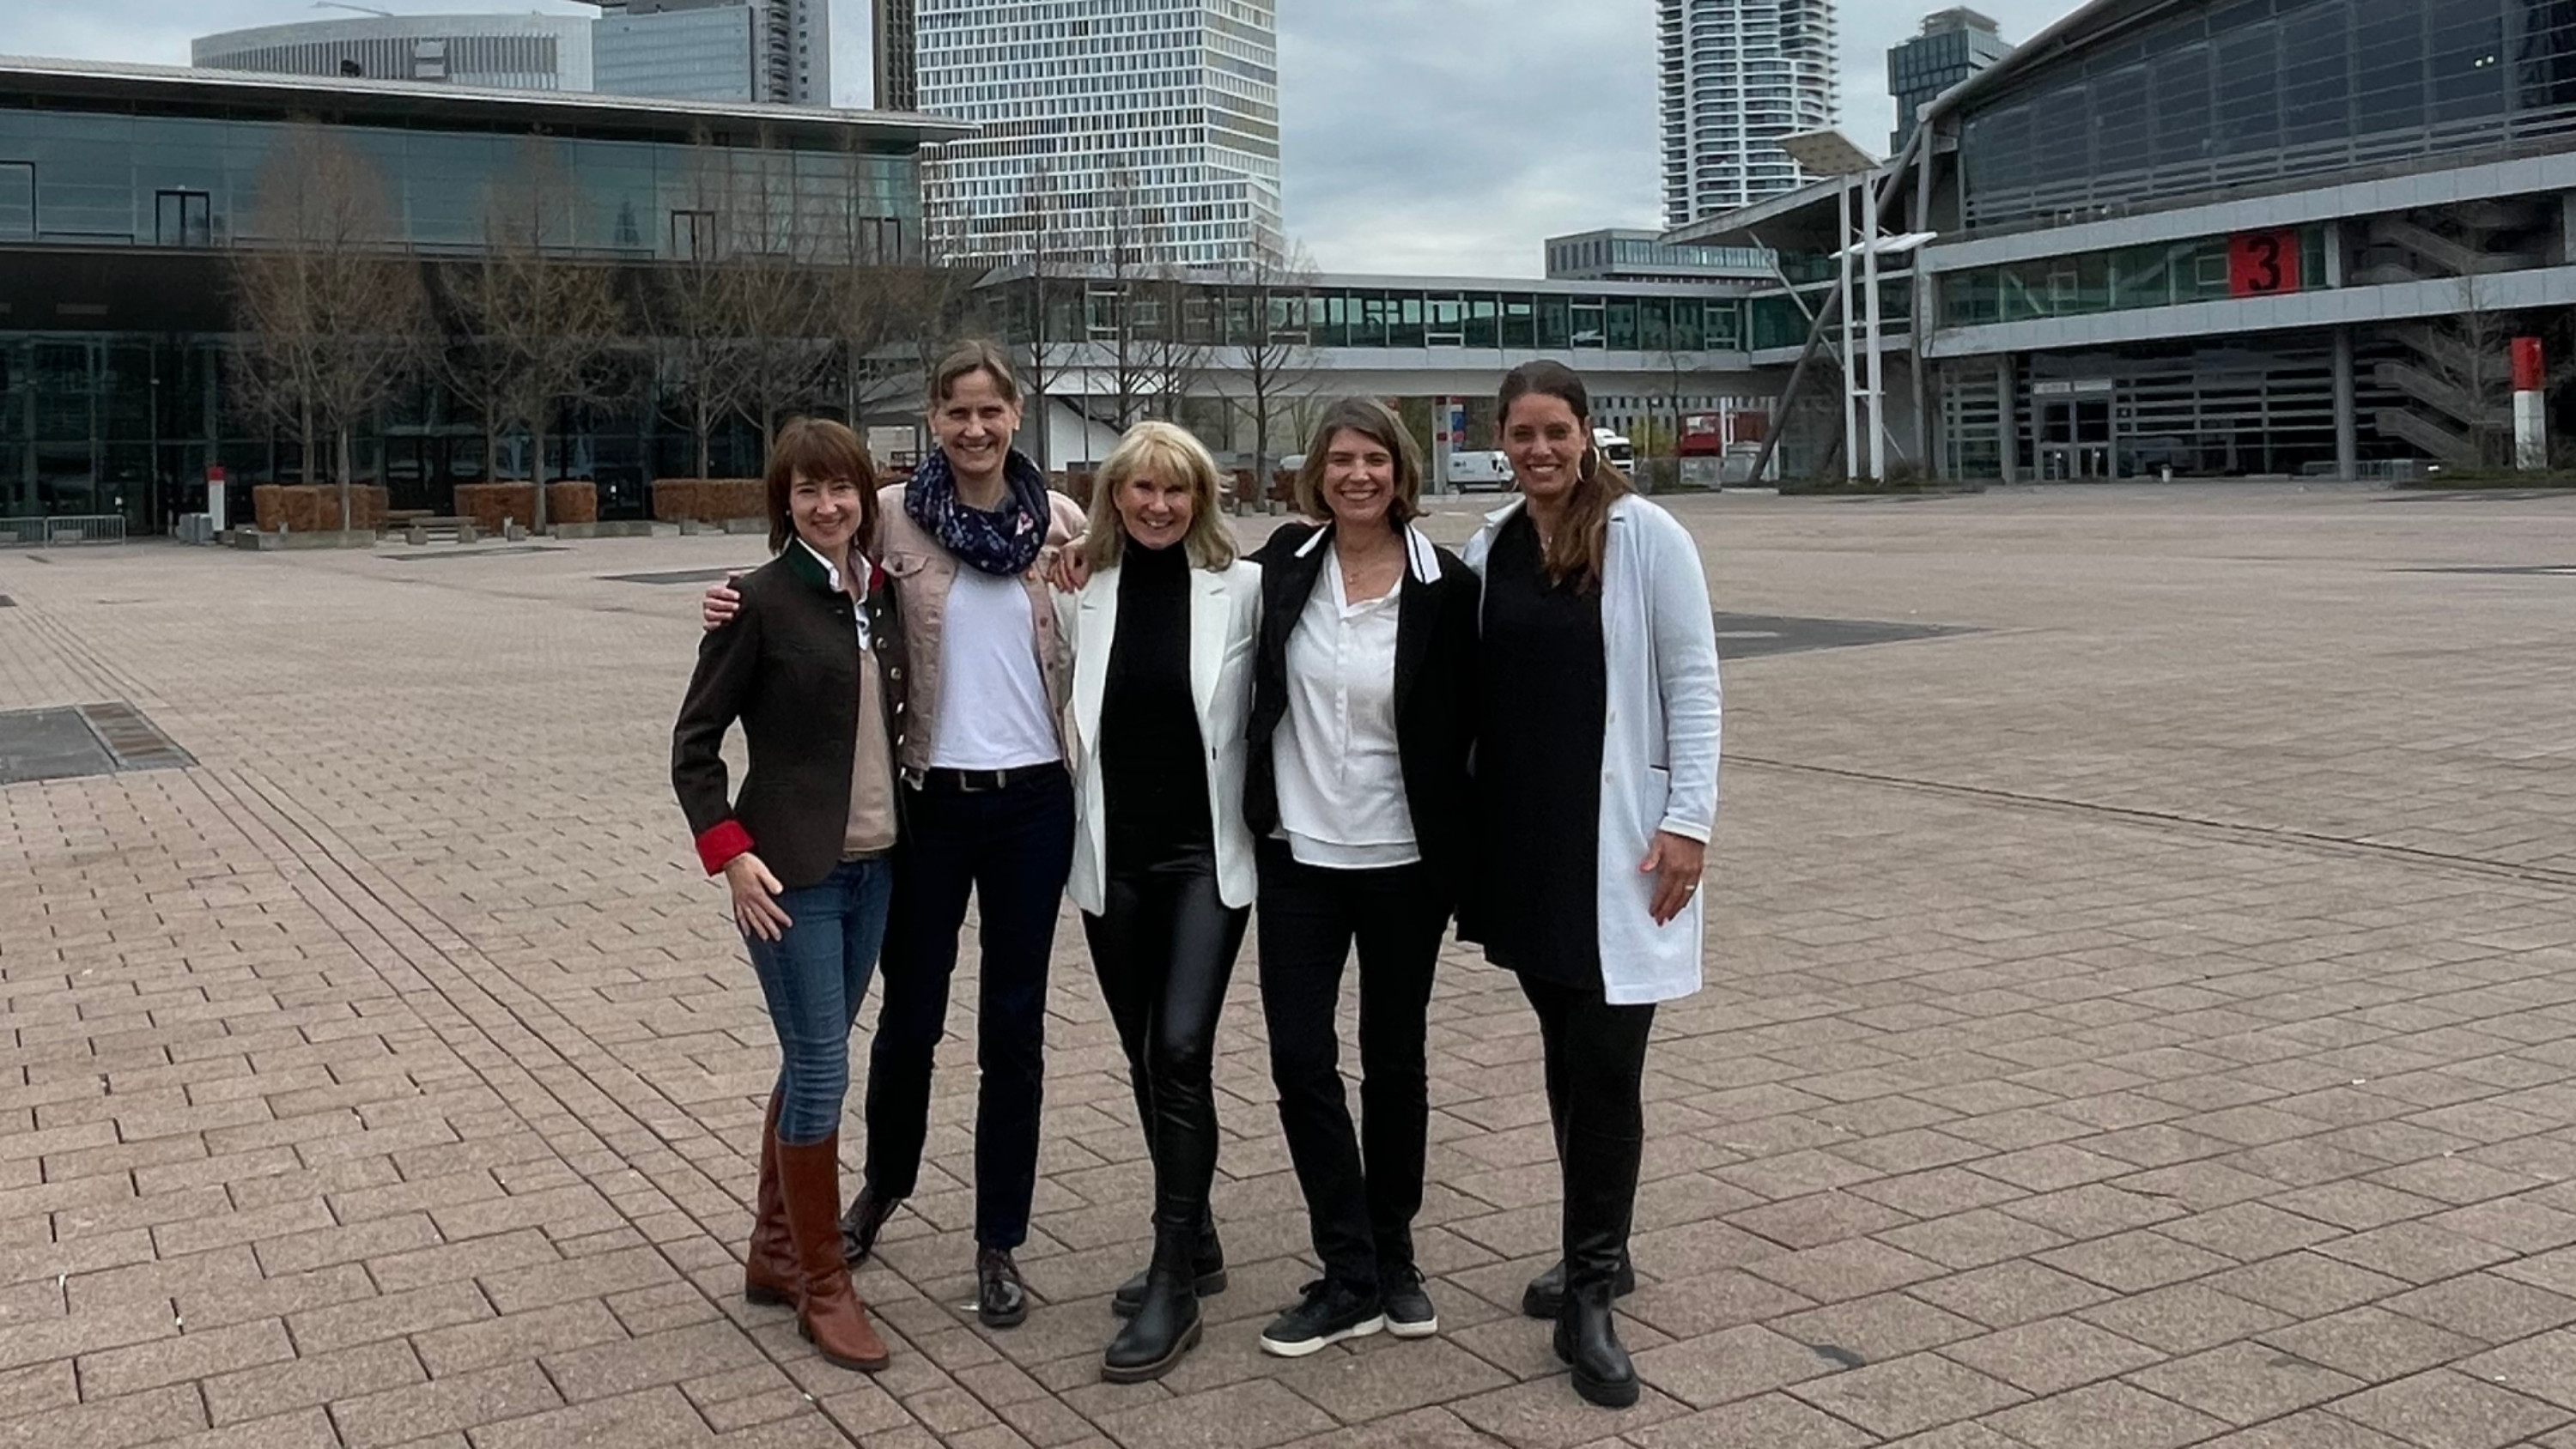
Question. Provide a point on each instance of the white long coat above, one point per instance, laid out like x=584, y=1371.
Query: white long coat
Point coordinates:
x=1659, y=755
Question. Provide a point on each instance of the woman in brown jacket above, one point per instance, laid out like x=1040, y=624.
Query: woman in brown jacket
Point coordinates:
x=812, y=669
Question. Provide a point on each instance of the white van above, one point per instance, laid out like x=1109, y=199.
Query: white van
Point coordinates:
x=1474, y=471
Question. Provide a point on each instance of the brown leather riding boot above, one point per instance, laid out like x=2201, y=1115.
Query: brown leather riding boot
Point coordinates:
x=769, y=1265
x=828, y=1310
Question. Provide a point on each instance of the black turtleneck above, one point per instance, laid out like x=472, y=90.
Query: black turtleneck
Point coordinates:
x=1151, y=757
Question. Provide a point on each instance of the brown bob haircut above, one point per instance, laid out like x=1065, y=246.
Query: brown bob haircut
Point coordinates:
x=1374, y=421
x=824, y=451
x=964, y=361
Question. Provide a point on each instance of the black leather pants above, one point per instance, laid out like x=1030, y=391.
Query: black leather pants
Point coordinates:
x=1165, y=950
x=1596, y=1064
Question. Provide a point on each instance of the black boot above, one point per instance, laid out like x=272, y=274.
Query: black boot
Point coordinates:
x=1166, y=1326
x=1207, y=1264
x=1600, y=1206
x=1544, y=1298
x=1588, y=1339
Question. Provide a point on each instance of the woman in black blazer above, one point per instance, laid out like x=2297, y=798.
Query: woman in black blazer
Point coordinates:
x=813, y=671
x=1357, y=792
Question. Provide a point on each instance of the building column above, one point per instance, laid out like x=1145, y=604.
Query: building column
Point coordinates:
x=2347, y=419
x=2007, y=422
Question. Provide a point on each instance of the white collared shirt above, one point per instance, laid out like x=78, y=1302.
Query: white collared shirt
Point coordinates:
x=1339, y=771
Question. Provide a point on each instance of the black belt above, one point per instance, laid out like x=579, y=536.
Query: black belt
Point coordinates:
x=980, y=782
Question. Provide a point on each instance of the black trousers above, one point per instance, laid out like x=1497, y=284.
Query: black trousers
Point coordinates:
x=1012, y=848
x=1361, y=1190
x=1165, y=949
x=1596, y=1067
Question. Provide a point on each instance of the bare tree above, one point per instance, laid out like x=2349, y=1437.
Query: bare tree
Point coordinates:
x=330, y=314
x=1174, y=334
x=1050, y=261
x=698, y=355
x=1266, y=345
x=1135, y=235
x=774, y=287
x=540, y=321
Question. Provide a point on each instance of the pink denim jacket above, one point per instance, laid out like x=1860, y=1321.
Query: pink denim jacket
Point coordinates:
x=922, y=569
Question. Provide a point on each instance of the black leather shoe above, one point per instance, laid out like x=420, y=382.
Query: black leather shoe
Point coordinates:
x=861, y=1224
x=1587, y=1338
x=1545, y=1296
x=1167, y=1323
x=1207, y=1262
x=1001, y=1299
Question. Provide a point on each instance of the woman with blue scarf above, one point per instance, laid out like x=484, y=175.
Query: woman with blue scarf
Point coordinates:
x=988, y=807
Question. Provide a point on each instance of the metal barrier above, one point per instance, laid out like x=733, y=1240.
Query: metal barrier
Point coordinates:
x=63, y=528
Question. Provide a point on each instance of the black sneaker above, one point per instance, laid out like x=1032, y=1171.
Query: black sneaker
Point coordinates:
x=1409, y=1313
x=1328, y=1314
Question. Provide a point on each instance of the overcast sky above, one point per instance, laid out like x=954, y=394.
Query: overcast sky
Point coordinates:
x=1423, y=136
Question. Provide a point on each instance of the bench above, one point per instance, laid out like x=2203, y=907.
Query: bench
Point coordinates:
x=417, y=528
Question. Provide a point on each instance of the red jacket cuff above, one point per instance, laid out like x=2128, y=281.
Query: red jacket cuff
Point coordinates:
x=722, y=842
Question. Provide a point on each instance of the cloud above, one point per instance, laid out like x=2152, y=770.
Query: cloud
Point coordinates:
x=1443, y=137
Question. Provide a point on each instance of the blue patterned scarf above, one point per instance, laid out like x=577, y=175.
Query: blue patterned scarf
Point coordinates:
x=1004, y=542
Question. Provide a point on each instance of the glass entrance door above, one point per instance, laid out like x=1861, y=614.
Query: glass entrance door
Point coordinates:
x=2075, y=439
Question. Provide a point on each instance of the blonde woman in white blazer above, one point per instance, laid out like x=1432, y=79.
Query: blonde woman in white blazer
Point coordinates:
x=1163, y=636
x=1596, y=791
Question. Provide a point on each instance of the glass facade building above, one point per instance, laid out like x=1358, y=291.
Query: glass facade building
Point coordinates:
x=123, y=190
x=2267, y=92
x=1147, y=129
x=1955, y=44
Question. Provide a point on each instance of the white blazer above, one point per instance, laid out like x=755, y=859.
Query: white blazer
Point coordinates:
x=1659, y=755
x=1225, y=622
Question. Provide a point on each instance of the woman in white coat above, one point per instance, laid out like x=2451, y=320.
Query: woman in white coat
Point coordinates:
x=1596, y=786
x=1162, y=638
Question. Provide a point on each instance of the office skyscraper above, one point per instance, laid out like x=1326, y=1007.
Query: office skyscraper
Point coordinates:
x=1147, y=132
x=1954, y=45
x=715, y=50
x=898, y=56
x=1739, y=77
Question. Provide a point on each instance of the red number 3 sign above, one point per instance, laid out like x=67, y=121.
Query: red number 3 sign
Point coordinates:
x=2262, y=263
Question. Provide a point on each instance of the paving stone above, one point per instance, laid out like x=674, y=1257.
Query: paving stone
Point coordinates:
x=2052, y=1355
x=2446, y=1409
x=1917, y=1392
x=2244, y=1383
x=2105, y=1416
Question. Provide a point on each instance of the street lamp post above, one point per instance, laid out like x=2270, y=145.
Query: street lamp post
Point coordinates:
x=1831, y=153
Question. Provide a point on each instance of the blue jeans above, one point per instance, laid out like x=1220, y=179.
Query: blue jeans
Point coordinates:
x=815, y=976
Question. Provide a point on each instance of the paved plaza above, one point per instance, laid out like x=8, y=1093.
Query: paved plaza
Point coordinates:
x=2142, y=1012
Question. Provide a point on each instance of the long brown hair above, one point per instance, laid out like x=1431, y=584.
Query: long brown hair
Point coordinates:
x=1583, y=536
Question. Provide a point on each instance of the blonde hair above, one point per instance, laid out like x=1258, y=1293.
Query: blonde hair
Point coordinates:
x=1374, y=421
x=1165, y=453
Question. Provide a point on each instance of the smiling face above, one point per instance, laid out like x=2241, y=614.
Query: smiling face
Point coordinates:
x=1359, y=478
x=974, y=424
x=1546, y=443
x=1155, y=511
x=826, y=512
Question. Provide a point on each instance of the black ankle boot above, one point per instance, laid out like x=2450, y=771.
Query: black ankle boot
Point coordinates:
x=1166, y=1326
x=1544, y=1298
x=1207, y=1265
x=1588, y=1339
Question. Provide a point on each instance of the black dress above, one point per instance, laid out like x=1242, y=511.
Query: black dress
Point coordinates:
x=1544, y=686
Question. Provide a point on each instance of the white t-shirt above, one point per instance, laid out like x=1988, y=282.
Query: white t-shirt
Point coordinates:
x=993, y=711
x=1341, y=779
